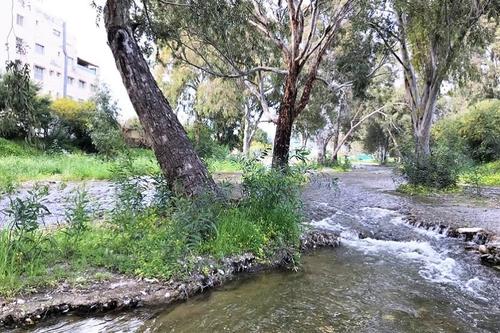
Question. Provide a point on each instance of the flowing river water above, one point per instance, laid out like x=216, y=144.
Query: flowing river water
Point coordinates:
x=386, y=276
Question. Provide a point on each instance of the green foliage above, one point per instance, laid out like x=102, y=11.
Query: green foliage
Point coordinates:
x=71, y=127
x=451, y=29
x=103, y=126
x=481, y=130
x=440, y=170
x=160, y=240
x=22, y=245
x=77, y=215
x=11, y=148
x=22, y=112
x=475, y=132
x=17, y=169
x=260, y=136
x=376, y=140
x=204, y=143
x=482, y=175
x=224, y=165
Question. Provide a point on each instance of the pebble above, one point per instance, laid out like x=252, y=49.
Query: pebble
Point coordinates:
x=483, y=249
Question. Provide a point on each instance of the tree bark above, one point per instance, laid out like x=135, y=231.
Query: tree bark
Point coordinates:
x=286, y=116
x=178, y=160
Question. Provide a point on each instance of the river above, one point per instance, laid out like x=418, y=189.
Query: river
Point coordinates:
x=386, y=276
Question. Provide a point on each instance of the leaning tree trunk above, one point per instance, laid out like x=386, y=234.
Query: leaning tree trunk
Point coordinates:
x=178, y=160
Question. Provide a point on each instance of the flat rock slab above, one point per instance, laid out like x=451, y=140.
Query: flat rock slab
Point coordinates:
x=470, y=230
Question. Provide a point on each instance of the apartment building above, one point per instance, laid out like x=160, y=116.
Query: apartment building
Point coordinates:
x=44, y=43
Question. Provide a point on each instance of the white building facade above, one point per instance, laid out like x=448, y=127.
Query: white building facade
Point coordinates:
x=44, y=43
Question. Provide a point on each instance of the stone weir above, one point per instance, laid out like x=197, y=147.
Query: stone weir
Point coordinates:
x=486, y=243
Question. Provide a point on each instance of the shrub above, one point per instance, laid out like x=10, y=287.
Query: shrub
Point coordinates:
x=440, y=170
x=103, y=126
x=475, y=133
x=480, y=129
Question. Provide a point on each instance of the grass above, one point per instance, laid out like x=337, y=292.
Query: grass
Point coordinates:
x=17, y=169
x=422, y=190
x=485, y=175
x=159, y=241
x=225, y=165
x=20, y=163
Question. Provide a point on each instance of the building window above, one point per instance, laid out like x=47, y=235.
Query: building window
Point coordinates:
x=51, y=72
x=58, y=74
x=93, y=88
x=81, y=84
x=20, y=46
x=56, y=32
x=39, y=73
x=39, y=48
x=70, y=61
x=21, y=2
x=20, y=20
x=70, y=80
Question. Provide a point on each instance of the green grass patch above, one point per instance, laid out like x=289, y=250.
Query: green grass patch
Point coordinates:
x=17, y=169
x=20, y=163
x=224, y=165
x=422, y=190
x=160, y=241
x=483, y=175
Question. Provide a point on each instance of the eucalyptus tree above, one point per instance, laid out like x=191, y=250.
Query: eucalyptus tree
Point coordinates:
x=433, y=41
x=349, y=69
x=247, y=38
x=244, y=102
x=175, y=153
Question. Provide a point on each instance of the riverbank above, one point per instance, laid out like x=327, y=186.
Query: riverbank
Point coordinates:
x=120, y=292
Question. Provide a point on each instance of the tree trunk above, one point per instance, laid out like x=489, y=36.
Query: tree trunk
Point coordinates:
x=247, y=132
x=336, y=147
x=305, y=138
x=286, y=117
x=179, y=162
x=322, y=143
x=423, y=126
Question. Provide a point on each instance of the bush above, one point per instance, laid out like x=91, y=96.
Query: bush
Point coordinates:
x=205, y=145
x=475, y=133
x=480, y=129
x=440, y=170
x=103, y=126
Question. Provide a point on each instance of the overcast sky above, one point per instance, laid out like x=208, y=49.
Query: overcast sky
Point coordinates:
x=80, y=18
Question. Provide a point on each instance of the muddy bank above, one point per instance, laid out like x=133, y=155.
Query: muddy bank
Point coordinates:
x=121, y=292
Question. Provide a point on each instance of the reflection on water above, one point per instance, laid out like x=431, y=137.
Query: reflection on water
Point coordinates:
x=342, y=290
